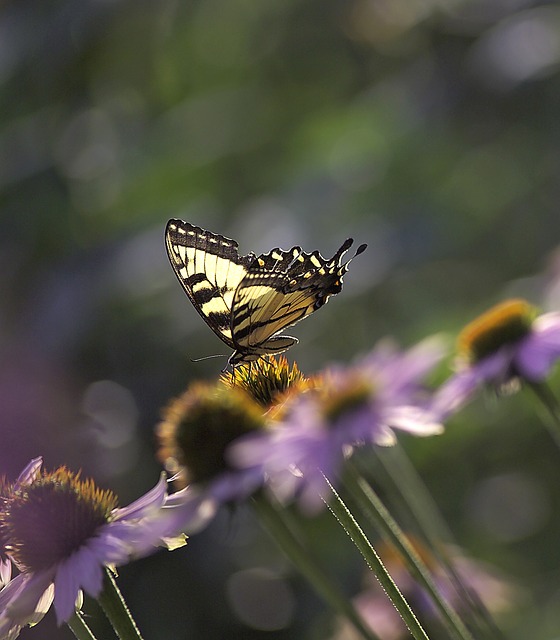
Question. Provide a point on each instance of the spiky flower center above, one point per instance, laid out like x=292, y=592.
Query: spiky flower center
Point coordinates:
x=199, y=426
x=47, y=520
x=267, y=379
x=341, y=402
x=502, y=325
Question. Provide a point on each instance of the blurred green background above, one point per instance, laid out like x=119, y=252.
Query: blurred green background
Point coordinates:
x=427, y=128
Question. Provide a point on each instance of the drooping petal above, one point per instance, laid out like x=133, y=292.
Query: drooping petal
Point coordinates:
x=418, y=361
x=10, y=627
x=5, y=571
x=405, y=372
x=414, y=420
x=150, y=501
x=188, y=511
x=112, y=544
x=43, y=606
x=11, y=590
x=461, y=387
x=30, y=472
x=88, y=567
x=67, y=587
x=538, y=352
x=20, y=597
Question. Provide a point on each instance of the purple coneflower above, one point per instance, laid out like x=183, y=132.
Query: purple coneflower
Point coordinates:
x=7, y=488
x=348, y=407
x=479, y=579
x=506, y=344
x=268, y=381
x=61, y=532
x=194, y=435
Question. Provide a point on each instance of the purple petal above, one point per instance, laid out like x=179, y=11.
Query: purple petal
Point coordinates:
x=112, y=544
x=89, y=570
x=414, y=420
x=11, y=590
x=67, y=586
x=455, y=393
x=539, y=351
x=23, y=594
x=146, y=504
x=461, y=387
x=191, y=512
x=42, y=606
x=30, y=472
x=5, y=571
x=413, y=365
x=10, y=628
x=129, y=540
x=249, y=451
x=235, y=486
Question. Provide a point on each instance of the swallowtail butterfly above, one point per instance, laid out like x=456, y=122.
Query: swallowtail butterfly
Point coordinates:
x=249, y=300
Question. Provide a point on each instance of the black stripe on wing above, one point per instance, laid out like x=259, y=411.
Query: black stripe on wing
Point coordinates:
x=267, y=302
x=209, y=268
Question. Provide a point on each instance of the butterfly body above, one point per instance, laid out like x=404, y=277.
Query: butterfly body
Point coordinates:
x=249, y=300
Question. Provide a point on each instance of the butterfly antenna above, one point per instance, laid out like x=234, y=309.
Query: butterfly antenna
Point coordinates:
x=359, y=250
x=215, y=355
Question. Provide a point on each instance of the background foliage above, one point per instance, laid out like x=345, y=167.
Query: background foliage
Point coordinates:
x=427, y=128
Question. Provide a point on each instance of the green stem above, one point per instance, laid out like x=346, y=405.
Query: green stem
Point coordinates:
x=355, y=533
x=79, y=627
x=379, y=516
x=432, y=528
x=116, y=610
x=283, y=528
x=413, y=492
x=551, y=417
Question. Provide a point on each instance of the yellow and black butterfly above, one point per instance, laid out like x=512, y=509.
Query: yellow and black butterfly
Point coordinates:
x=249, y=300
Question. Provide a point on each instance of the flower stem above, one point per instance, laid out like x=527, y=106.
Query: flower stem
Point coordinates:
x=79, y=628
x=116, y=610
x=355, y=533
x=283, y=528
x=548, y=400
x=376, y=512
x=432, y=528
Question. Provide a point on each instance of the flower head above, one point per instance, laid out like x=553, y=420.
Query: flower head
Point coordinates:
x=477, y=578
x=6, y=490
x=195, y=434
x=351, y=406
x=61, y=531
x=200, y=424
x=508, y=343
x=268, y=380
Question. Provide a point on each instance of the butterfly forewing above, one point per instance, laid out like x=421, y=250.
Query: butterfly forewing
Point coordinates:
x=209, y=268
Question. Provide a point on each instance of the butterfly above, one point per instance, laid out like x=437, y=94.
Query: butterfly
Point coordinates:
x=249, y=300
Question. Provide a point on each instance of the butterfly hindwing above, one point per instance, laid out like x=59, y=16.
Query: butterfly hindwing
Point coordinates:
x=267, y=302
